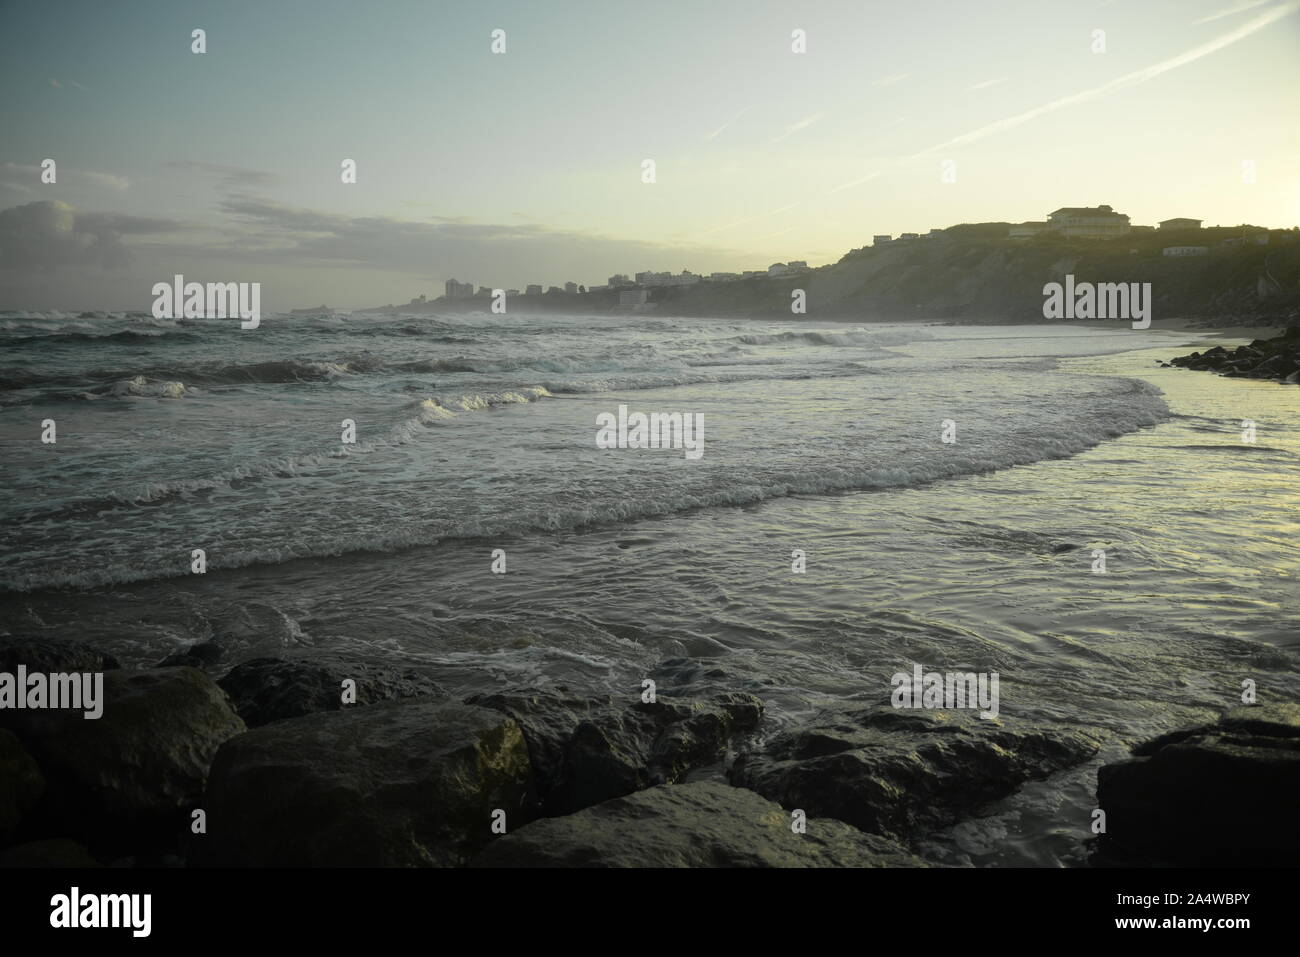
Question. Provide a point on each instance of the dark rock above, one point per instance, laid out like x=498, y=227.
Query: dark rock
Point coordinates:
x=45, y=655
x=52, y=853
x=1276, y=358
x=402, y=783
x=205, y=655
x=21, y=784
x=702, y=824
x=128, y=777
x=272, y=689
x=902, y=773
x=587, y=750
x=1218, y=795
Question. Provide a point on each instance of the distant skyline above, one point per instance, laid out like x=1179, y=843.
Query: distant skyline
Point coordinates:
x=526, y=167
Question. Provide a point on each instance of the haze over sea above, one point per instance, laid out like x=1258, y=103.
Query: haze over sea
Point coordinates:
x=477, y=432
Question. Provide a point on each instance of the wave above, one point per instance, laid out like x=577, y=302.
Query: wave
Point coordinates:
x=1135, y=405
x=428, y=412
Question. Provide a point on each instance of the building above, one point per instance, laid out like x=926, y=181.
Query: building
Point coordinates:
x=1186, y=251
x=881, y=239
x=909, y=235
x=777, y=269
x=1025, y=230
x=484, y=291
x=619, y=279
x=534, y=289
x=723, y=276
x=751, y=273
x=1179, y=223
x=511, y=292
x=459, y=290
x=1088, y=222
x=797, y=264
x=934, y=234
x=571, y=287
x=633, y=297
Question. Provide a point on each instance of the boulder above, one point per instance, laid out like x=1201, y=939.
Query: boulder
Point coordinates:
x=401, y=783
x=21, y=784
x=204, y=655
x=59, y=852
x=125, y=780
x=902, y=772
x=587, y=750
x=702, y=824
x=1216, y=795
x=45, y=655
x=272, y=689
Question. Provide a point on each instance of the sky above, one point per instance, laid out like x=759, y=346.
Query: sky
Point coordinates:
x=503, y=169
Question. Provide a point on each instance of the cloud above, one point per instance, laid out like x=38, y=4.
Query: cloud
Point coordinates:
x=72, y=177
x=986, y=84
x=1239, y=7
x=47, y=235
x=227, y=176
x=891, y=79
x=806, y=122
x=728, y=123
x=1119, y=83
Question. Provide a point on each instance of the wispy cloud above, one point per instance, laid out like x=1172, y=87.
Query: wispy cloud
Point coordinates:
x=73, y=176
x=1119, y=83
x=227, y=176
x=728, y=123
x=855, y=182
x=751, y=219
x=803, y=124
x=986, y=84
x=891, y=79
x=1239, y=7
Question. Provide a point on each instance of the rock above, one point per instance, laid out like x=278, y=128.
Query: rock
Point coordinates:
x=272, y=689
x=702, y=824
x=587, y=750
x=52, y=853
x=901, y=773
x=1218, y=795
x=1275, y=358
x=204, y=655
x=401, y=783
x=21, y=784
x=44, y=655
x=128, y=777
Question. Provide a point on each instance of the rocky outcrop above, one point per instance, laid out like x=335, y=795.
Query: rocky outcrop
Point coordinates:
x=58, y=852
x=126, y=779
x=43, y=655
x=405, y=783
x=902, y=773
x=1277, y=358
x=1217, y=795
x=702, y=824
x=21, y=784
x=587, y=750
x=272, y=689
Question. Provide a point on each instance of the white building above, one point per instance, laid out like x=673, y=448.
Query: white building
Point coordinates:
x=1186, y=250
x=1089, y=222
x=881, y=239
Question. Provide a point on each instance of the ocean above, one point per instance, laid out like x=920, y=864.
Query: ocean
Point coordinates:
x=475, y=443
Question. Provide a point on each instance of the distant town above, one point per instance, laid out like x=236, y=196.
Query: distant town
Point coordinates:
x=639, y=290
x=1083, y=222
